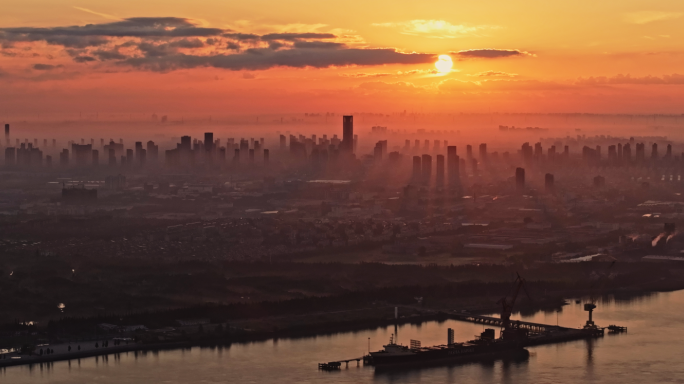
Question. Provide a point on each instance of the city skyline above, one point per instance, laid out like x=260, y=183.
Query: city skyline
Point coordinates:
x=368, y=191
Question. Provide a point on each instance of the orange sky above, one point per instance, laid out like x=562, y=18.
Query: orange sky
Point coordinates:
x=310, y=56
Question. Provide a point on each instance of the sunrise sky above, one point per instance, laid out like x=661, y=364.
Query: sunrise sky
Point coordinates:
x=310, y=56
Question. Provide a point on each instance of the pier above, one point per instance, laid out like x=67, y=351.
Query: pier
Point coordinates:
x=334, y=365
x=533, y=328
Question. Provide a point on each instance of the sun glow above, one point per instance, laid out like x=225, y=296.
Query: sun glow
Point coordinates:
x=444, y=64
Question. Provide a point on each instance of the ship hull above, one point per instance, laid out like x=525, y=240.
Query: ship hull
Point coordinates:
x=447, y=356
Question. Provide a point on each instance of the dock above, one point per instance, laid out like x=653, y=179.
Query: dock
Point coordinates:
x=335, y=365
x=497, y=322
x=539, y=333
x=616, y=329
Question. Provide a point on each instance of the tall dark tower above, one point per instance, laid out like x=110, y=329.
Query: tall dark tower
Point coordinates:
x=549, y=183
x=7, y=137
x=627, y=153
x=520, y=179
x=186, y=143
x=440, y=170
x=208, y=141
x=416, y=168
x=452, y=165
x=426, y=165
x=348, y=133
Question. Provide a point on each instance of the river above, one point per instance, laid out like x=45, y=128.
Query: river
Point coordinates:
x=650, y=352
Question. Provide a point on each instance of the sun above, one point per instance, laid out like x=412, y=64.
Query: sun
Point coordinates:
x=444, y=64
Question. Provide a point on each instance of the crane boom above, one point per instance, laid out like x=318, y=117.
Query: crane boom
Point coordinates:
x=507, y=306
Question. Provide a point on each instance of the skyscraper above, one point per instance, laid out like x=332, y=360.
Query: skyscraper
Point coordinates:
x=520, y=179
x=208, y=142
x=152, y=151
x=416, y=168
x=138, y=148
x=10, y=156
x=452, y=165
x=627, y=153
x=426, y=169
x=348, y=134
x=377, y=152
x=112, y=157
x=549, y=183
x=439, y=179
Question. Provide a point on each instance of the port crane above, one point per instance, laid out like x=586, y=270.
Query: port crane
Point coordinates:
x=507, y=330
x=589, y=307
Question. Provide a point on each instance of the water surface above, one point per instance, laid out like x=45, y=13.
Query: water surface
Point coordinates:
x=651, y=352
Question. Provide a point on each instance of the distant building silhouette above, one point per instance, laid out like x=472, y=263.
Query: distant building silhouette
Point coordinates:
x=416, y=168
x=439, y=178
x=549, y=184
x=348, y=134
x=426, y=169
x=453, y=165
x=10, y=156
x=520, y=179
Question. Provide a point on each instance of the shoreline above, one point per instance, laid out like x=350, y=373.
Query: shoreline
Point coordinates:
x=296, y=332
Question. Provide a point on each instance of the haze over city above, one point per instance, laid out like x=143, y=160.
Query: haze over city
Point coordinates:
x=302, y=191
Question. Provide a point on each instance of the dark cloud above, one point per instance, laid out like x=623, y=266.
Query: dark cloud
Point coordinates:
x=75, y=52
x=45, y=67
x=133, y=27
x=83, y=59
x=275, y=45
x=297, y=36
x=187, y=43
x=317, y=45
x=260, y=59
x=168, y=43
x=242, y=36
x=490, y=53
x=92, y=35
x=155, y=50
x=105, y=55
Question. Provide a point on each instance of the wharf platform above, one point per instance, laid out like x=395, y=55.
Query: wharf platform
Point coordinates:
x=538, y=333
x=333, y=365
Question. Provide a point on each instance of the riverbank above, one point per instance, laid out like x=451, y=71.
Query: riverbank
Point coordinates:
x=295, y=332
